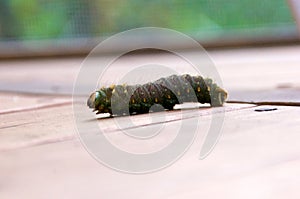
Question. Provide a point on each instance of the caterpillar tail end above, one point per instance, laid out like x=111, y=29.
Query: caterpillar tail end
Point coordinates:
x=219, y=97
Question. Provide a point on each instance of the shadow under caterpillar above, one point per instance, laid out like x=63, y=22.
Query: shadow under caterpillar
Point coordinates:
x=166, y=92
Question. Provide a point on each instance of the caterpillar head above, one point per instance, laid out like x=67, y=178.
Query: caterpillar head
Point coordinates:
x=98, y=101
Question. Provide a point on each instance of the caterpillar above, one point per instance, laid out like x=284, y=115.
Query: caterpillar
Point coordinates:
x=137, y=99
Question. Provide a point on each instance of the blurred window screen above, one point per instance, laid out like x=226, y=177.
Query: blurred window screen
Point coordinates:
x=78, y=25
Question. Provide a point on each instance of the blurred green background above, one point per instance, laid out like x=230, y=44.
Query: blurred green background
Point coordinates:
x=51, y=19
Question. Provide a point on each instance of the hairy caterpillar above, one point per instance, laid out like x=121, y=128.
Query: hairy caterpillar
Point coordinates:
x=167, y=92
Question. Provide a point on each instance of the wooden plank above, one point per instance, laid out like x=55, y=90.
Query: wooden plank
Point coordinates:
x=256, y=157
x=265, y=74
x=39, y=75
x=37, y=126
x=142, y=120
x=274, y=96
x=247, y=73
x=56, y=123
x=17, y=102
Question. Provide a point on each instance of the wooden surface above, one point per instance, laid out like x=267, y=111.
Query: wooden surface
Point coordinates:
x=257, y=156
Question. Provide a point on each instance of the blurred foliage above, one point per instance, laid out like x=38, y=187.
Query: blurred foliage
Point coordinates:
x=44, y=19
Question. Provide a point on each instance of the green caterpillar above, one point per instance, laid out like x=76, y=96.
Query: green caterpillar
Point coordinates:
x=167, y=92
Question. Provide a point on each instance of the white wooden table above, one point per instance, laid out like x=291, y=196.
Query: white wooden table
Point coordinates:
x=257, y=156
